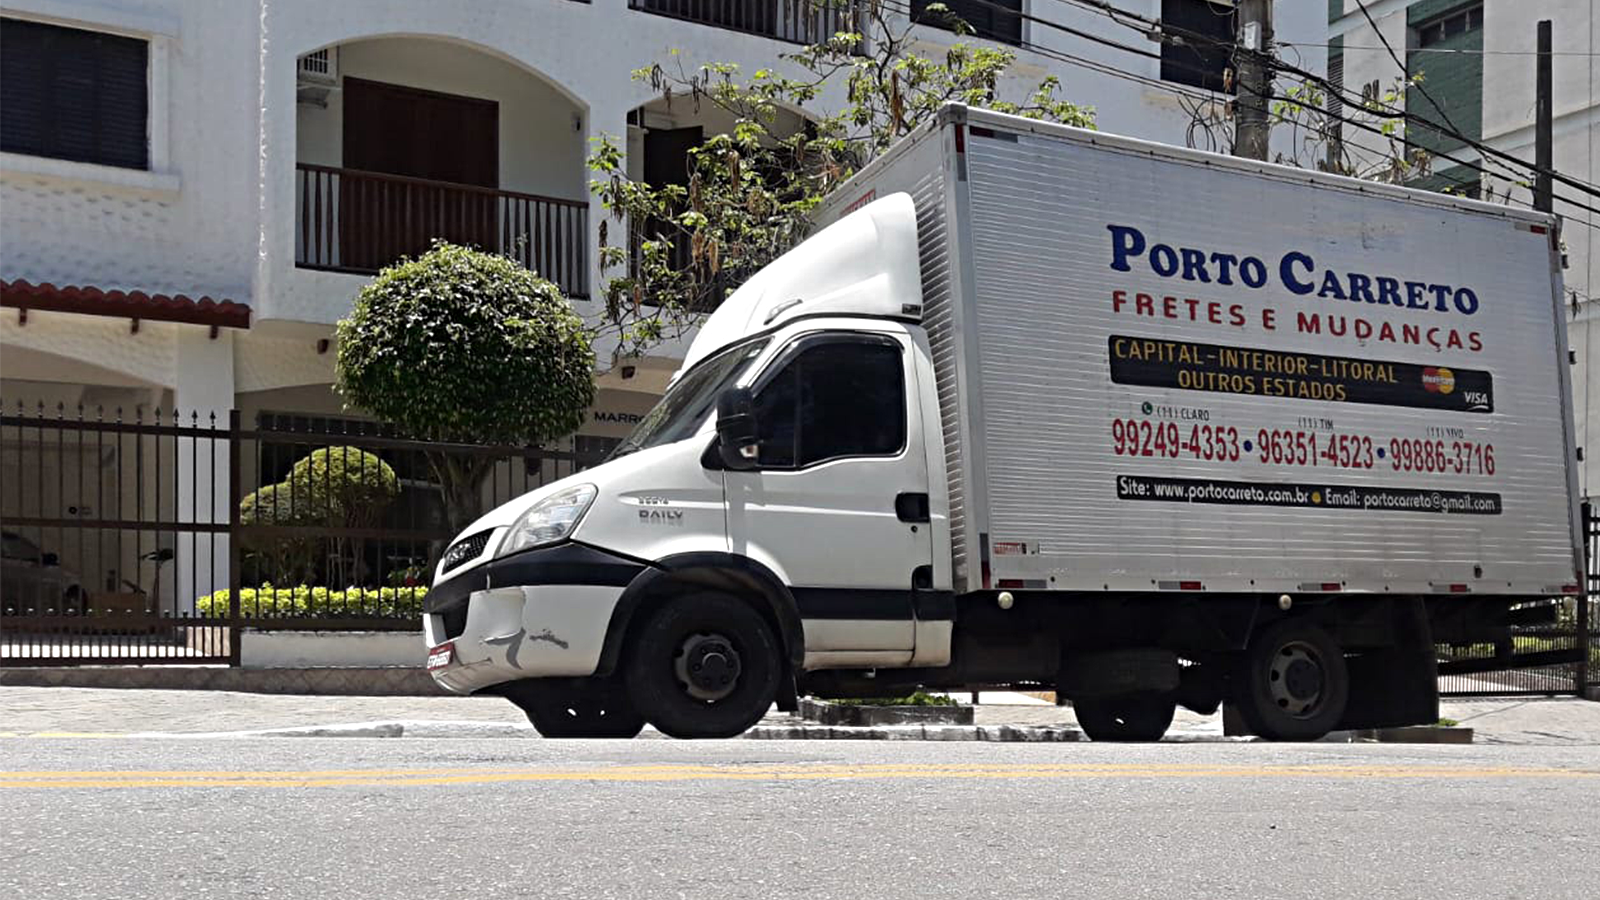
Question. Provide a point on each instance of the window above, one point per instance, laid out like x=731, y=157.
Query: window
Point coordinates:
x=836, y=397
x=1452, y=26
x=690, y=399
x=72, y=94
x=1206, y=31
x=997, y=20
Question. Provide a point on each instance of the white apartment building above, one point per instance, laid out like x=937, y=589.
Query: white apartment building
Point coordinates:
x=268, y=155
x=1477, y=60
x=193, y=191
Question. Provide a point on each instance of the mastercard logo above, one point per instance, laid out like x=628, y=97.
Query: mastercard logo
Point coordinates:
x=1438, y=380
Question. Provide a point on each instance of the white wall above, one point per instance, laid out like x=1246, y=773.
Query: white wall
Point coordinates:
x=188, y=226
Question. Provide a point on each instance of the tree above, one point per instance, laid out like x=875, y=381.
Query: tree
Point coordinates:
x=750, y=191
x=1319, y=139
x=344, y=488
x=333, y=487
x=459, y=345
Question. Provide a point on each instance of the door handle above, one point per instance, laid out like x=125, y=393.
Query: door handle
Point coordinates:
x=911, y=507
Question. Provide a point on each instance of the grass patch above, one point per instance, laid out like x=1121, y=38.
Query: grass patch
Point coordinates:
x=1446, y=722
x=920, y=698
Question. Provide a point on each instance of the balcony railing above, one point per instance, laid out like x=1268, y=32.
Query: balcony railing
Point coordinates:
x=796, y=21
x=355, y=221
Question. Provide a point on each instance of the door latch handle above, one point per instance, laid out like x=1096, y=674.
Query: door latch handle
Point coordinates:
x=911, y=507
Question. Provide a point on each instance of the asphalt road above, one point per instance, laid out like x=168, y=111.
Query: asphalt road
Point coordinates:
x=414, y=818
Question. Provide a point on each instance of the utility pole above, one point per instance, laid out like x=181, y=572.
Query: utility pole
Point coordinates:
x=1543, y=149
x=1253, y=38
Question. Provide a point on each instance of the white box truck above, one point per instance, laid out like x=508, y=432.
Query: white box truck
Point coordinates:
x=1040, y=406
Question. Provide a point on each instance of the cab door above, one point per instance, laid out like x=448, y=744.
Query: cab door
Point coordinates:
x=837, y=504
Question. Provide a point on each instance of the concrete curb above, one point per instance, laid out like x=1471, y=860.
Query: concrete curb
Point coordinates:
x=1408, y=734
x=1035, y=734
x=797, y=731
x=421, y=729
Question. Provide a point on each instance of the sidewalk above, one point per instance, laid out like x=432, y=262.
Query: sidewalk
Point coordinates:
x=45, y=711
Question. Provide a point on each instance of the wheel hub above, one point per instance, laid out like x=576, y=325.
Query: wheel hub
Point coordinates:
x=707, y=666
x=1296, y=679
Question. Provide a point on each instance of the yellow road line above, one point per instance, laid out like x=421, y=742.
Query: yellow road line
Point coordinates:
x=673, y=773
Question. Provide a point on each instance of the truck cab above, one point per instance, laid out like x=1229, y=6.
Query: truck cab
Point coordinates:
x=772, y=515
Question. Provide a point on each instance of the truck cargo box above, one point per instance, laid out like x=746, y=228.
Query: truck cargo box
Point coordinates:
x=1164, y=370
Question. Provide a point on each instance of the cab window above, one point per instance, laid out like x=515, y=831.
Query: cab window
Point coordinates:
x=835, y=397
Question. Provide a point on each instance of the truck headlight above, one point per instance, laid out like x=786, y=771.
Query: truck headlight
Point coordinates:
x=551, y=519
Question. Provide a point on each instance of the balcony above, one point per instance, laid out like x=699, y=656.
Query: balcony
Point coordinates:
x=349, y=220
x=795, y=21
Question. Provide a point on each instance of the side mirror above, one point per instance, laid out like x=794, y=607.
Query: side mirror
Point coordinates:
x=737, y=433
x=49, y=559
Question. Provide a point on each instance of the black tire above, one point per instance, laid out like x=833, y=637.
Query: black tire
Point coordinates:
x=1134, y=718
x=735, y=660
x=1294, y=684
x=592, y=711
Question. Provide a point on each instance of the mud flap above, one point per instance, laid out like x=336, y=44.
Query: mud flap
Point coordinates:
x=1398, y=686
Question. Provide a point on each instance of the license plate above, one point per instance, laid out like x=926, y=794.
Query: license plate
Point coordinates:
x=440, y=656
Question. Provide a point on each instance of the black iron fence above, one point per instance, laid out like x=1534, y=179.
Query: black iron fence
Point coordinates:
x=155, y=537
x=796, y=21
x=128, y=536
x=1547, y=646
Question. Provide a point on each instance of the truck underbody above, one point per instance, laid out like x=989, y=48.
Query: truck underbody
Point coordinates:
x=1190, y=649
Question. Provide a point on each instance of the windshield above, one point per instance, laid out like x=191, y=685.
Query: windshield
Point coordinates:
x=686, y=404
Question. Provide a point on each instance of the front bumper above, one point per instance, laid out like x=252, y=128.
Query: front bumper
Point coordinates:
x=541, y=613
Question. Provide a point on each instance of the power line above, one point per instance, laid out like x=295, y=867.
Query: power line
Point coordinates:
x=1269, y=59
x=1327, y=85
x=1066, y=29
x=1402, y=66
x=1113, y=71
x=1082, y=62
x=1392, y=112
x=1343, y=46
x=1364, y=126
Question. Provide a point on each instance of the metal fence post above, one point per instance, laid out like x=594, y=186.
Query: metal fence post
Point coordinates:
x=1585, y=596
x=235, y=551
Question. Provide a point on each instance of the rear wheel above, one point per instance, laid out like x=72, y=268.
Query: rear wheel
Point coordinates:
x=703, y=666
x=1294, y=684
x=599, y=710
x=1129, y=717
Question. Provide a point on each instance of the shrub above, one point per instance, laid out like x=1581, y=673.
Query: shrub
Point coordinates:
x=286, y=558
x=268, y=601
x=342, y=485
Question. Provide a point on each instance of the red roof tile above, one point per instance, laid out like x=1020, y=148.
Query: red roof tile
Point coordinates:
x=93, y=301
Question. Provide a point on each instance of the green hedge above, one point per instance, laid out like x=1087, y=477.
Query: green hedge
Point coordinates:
x=268, y=601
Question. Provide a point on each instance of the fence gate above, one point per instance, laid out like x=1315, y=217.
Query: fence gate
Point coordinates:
x=1550, y=648
x=113, y=523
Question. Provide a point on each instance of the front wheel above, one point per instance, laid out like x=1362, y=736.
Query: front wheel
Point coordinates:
x=1294, y=684
x=703, y=666
x=1130, y=718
